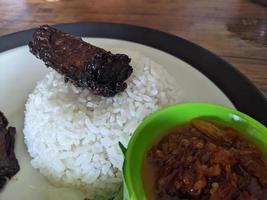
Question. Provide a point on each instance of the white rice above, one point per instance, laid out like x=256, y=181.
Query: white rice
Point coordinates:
x=72, y=135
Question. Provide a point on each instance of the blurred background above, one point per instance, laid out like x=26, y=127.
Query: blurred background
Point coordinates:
x=234, y=29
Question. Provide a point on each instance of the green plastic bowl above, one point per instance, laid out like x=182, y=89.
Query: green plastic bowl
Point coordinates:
x=154, y=125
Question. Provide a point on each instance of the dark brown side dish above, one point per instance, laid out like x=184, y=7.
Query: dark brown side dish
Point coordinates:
x=83, y=64
x=205, y=161
x=9, y=165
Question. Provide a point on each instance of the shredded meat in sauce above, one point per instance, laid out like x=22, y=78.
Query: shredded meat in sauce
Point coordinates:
x=205, y=161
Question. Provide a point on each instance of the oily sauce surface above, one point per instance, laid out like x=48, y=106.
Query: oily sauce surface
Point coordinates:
x=204, y=161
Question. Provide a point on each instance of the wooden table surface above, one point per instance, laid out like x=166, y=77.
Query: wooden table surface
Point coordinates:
x=234, y=29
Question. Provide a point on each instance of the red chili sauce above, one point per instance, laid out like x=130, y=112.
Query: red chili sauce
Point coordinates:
x=204, y=161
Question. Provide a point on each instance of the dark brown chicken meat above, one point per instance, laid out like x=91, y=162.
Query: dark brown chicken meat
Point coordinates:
x=9, y=165
x=85, y=65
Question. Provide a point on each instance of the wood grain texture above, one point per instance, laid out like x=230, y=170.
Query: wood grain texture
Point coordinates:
x=234, y=29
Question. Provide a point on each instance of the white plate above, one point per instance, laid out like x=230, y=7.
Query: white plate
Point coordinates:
x=20, y=71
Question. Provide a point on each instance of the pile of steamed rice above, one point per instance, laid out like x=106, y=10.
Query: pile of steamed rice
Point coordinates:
x=72, y=135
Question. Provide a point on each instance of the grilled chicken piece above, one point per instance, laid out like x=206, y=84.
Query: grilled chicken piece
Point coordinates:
x=9, y=165
x=83, y=64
